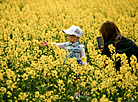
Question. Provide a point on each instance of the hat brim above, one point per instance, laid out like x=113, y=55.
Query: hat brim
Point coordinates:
x=69, y=33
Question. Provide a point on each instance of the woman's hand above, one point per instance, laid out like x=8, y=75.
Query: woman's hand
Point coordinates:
x=44, y=43
x=101, y=47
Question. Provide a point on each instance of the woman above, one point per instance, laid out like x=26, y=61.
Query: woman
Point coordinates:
x=112, y=35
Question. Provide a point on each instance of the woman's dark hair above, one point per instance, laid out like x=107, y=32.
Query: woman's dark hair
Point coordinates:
x=110, y=31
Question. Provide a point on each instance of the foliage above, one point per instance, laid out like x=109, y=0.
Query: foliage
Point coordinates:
x=29, y=72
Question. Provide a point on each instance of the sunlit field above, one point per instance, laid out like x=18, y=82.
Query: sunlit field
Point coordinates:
x=29, y=72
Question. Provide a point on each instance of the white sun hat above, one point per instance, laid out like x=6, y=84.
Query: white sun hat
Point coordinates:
x=73, y=30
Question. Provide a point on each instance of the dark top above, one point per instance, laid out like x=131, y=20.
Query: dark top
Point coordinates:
x=125, y=45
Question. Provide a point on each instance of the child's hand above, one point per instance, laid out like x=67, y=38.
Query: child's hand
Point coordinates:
x=44, y=43
x=101, y=47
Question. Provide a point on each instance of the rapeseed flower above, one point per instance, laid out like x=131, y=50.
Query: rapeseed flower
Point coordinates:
x=25, y=65
x=2, y=90
x=37, y=94
x=22, y=96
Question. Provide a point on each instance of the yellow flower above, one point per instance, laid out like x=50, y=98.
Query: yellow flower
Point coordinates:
x=54, y=73
x=48, y=93
x=104, y=99
x=9, y=94
x=94, y=100
x=9, y=82
x=1, y=76
x=23, y=28
x=37, y=94
x=22, y=96
x=3, y=90
x=60, y=81
x=112, y=48
x=42, y=97
x=83, y=59
x=72, y=98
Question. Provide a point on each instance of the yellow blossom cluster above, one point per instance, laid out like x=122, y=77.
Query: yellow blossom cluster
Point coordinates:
x=30, y=72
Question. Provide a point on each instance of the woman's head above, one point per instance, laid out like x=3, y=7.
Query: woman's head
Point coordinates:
x=109, y=31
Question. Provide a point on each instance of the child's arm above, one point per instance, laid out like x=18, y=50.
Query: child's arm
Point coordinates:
x=83, y=54
x=44, y=43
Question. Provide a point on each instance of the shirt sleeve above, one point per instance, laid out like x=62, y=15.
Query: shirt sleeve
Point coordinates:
x=60, y=45
x=83, y=54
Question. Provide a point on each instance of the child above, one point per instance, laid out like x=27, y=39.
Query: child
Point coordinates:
x=75, y=48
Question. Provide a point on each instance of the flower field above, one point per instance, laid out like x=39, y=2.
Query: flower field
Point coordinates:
x=29, y=72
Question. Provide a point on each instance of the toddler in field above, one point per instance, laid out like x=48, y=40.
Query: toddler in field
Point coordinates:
x=75, y=48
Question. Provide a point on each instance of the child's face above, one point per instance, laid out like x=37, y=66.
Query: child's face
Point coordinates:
x=71, y=38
